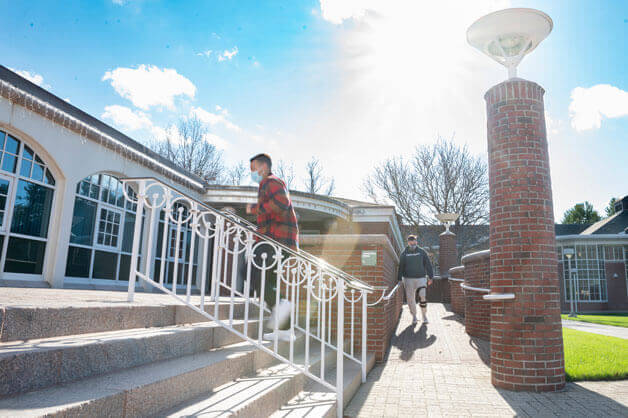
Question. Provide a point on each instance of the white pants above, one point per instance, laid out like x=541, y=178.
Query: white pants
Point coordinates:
x=411, y=285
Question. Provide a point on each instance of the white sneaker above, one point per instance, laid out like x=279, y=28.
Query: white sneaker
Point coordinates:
x=425, y=321
x=282, y=335
x=414, y=320
x=282, y=311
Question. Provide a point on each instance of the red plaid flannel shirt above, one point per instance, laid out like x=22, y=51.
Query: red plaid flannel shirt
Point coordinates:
x=275, y=214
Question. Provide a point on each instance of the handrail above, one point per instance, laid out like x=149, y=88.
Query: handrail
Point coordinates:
x=475, y=289
x=351, y=280
x=455, y=280
x=499, y=296
x=176, y=231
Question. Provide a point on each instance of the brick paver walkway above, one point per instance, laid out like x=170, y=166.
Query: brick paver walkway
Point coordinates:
x=438, y=370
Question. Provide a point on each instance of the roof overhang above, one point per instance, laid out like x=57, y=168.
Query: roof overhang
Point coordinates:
x=609, y=239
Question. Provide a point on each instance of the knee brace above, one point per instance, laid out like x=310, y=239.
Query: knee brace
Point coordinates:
x=422, y=297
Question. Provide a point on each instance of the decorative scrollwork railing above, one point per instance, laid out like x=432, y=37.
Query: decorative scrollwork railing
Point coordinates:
x=174, y=233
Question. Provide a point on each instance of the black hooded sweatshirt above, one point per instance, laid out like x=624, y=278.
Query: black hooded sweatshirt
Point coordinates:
x=414, y=264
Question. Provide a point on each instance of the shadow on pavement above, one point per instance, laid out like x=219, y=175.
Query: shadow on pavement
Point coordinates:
x=412, y=339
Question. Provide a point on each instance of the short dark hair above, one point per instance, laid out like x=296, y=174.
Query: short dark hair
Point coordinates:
x=263, y=158
x=411, y=237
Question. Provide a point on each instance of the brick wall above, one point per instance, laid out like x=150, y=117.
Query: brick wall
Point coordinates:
x=526, y=333
x=455, y=291
x=477, y=317
x=447, y=258
x=344, y=252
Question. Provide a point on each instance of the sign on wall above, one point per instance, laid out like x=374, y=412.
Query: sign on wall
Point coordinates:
x=369, y=257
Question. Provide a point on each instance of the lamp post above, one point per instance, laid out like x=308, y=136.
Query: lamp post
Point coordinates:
x=522, y=238
x=569, y=252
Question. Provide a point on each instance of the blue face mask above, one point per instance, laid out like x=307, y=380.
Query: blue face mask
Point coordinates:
x=256, y=177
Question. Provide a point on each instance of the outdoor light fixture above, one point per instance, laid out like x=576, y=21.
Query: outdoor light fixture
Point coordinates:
x=569, y=252
x=447, y=219
x=508, y=35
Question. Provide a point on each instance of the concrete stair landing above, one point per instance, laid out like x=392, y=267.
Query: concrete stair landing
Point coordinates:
x=89, y=353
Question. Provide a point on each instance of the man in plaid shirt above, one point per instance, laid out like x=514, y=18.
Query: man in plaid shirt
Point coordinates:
x=276, y=219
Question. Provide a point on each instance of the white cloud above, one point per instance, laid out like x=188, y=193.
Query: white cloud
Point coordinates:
x=148, y=85
x=32, y=77
x=218, y=141
x=336, y=11
x=228, y=55
x=126, y=118
x=589, y=105
x=219, y=118
x=204, y=53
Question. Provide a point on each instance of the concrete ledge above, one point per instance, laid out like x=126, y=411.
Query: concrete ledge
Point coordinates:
x=476, y=256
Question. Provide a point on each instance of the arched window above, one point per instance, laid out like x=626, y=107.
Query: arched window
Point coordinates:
x=101, y=237
x=26, y=192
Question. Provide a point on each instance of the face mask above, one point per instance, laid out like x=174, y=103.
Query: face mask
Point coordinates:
x=256, y=177
x=413, y=246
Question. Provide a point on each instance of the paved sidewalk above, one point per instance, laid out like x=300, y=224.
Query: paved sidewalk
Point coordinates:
x=438, y=370
x=611, y=331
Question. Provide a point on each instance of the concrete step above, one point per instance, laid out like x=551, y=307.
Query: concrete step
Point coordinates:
x=258, y=395
x=143, y=390
x=31, y=322
x=37, y=364
x=318, y=401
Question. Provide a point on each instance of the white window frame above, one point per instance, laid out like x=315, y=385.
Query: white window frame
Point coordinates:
x=14, y=179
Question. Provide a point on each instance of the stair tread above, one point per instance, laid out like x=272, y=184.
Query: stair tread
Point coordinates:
x=317, y=400
x=11, y=348
x=54, y=398
x=244, y=392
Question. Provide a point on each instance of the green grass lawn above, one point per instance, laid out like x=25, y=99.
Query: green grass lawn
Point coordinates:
x=618, y=320
x=594, y=357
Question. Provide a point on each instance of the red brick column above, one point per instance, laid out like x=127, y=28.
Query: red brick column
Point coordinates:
x=447, y=257
x=526, y=333
x=477, y=310
x=456, y=277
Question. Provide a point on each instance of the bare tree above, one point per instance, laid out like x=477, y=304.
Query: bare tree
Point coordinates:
x=187, y=147
x=236, y=174
x=439, y=178
x=314, y=180
x=286, y=173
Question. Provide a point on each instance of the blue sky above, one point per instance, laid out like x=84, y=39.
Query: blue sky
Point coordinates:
x=350, y=82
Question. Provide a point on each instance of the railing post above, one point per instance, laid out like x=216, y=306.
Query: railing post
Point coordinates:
x=364, y=334
x=136, y=239
x=340, y=346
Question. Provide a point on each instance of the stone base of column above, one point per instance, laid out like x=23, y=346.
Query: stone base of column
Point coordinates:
x=526, y=333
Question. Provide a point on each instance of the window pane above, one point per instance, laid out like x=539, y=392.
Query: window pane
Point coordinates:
x=125, y=267
x=4, y=187
x=25, y=170
x=127, y=237
x=105, y=265
x=83, y=222
x=8, y=163
x=12, y=145
x=38, y=172
x=78, y=262
x=2, y=135
x=27, y=153
x=49, y=178
x=24, y=256
x=31, y=212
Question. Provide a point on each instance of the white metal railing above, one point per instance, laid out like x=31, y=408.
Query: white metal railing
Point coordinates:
x=228, y=249
x=475, y=289
x=489, y=296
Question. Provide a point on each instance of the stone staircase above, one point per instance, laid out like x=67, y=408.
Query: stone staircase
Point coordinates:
x=154, y=360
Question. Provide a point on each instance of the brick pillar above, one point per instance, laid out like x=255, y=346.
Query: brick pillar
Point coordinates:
x=526, y=333
x=456, y=277
x=447, y=257
x=477, y=310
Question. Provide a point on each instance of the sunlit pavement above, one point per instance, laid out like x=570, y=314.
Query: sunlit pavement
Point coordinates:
x=438, y=370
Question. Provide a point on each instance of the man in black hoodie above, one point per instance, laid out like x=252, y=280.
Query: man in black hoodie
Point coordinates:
x=415, y=269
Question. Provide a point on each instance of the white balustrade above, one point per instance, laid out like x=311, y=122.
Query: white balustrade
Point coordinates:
x=229, y=250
